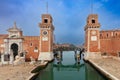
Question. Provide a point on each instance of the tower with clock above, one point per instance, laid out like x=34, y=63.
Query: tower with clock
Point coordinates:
x=46, y=38
x=92, y=28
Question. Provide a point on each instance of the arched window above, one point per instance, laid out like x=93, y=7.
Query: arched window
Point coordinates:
x=31, y=44
x=36, y=48
x=116, y=34
x=107, y=34
x=100, y=35
x=87, y=21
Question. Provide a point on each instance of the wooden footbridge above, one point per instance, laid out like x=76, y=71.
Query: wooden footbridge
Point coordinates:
x=62, y=48
x=58, y=51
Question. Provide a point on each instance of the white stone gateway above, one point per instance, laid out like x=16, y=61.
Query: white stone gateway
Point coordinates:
x=13, y=44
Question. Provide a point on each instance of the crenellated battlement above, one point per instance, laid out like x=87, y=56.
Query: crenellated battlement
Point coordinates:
x=109, y=34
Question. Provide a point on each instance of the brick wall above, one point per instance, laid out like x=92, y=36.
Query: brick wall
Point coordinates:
x=2, y=36
x=31, y=46
x=109, y=42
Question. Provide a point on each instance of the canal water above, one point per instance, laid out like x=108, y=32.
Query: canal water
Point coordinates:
x=68, y=69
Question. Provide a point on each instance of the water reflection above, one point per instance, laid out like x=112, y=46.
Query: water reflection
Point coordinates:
x=69, y=69
x=46, y=74
x=73, y=67
x=92, y=74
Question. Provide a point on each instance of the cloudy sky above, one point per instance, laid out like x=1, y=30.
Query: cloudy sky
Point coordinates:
x=69, y=16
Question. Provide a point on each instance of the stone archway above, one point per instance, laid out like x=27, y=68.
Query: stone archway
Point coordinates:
x=14, y=48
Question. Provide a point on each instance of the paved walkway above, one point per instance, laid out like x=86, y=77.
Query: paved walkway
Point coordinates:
x=111, y=65
x=19, y=72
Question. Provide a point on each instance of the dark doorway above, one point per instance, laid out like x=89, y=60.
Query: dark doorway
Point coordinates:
x=119, y=54
x=14, y=48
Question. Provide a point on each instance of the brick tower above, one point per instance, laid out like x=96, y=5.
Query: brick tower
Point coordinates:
x=92, y=28
x=46, y=38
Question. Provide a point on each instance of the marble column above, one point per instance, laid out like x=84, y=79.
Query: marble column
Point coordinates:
x=2, y=58
x=11, y=57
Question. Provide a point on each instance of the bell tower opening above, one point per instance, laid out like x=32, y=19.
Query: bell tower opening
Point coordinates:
x=45, y=20
x=93, y=21
x=14, y=48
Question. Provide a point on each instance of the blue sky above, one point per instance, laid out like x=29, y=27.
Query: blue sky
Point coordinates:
x=69, y=16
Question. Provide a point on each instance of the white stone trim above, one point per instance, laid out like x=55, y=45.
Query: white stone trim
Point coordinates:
x=45, y=28
x=7, y=50
x=99, y=40
x=48, y=56
x=40, y=42
x=93, y=29
x=88, y=46
x=93, y=55
x=49, y=43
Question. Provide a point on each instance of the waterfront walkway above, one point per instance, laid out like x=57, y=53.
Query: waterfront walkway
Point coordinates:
x=19, y=72
x=110, y=64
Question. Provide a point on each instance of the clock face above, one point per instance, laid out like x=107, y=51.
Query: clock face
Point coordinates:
x=45, y=32
x=93, y=32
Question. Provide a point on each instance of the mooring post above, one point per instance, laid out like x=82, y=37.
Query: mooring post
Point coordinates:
x=61, y=55
x=80, y=54
x=75, y=51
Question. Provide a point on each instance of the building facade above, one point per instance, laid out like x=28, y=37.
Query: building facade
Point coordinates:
x=38, y=47
x=101, y=42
